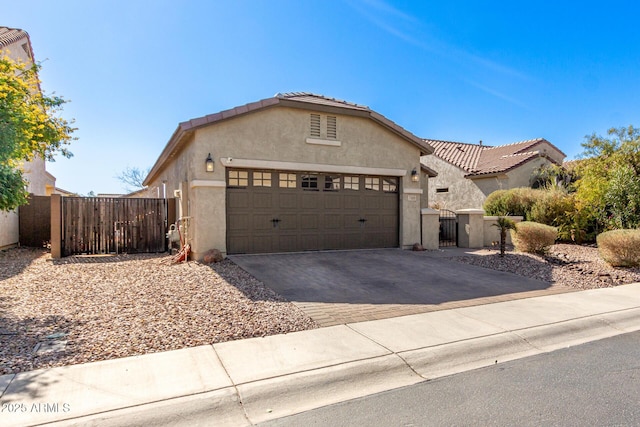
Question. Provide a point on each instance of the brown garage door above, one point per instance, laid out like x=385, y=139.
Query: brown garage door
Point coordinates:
x=284, y=211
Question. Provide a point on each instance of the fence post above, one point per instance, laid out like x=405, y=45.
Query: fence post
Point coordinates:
x=56, y=226
x=430, y=228
x=470, y=228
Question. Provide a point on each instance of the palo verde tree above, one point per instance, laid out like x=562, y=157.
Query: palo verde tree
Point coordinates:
x=609, y=185
x=30, y=126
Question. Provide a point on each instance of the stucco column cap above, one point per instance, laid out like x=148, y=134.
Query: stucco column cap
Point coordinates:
x=429, y=211
x=470, y=211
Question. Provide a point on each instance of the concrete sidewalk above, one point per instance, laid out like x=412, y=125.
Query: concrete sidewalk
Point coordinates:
x=249, y=381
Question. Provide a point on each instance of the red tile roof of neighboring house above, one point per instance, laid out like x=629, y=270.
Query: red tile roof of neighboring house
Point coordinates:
x=11, y=35
x=289, y=99
x=478, y=159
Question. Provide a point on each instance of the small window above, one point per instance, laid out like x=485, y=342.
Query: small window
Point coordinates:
x=442, y=190
x=287, y=180
x=390, y=185
x=331, y=182
x=352, y=183
x=238, y=178
x=262, y=179
x=315, y=125
x=309, y=182
x=332, y=131
x=372, y=183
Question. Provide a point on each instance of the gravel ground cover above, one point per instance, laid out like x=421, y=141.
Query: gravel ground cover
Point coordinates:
x=85, y=309
x=576, y=266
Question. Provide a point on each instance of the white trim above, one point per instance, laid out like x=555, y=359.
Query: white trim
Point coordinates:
x=208, y=183
x=412, y=191
x=329, y=142
x=311, y=167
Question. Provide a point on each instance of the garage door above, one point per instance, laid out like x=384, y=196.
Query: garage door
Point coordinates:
x=285, y=211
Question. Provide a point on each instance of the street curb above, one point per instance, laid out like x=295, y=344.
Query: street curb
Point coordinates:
x=356, y=374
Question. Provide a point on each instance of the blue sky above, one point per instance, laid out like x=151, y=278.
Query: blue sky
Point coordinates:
x=500, y=72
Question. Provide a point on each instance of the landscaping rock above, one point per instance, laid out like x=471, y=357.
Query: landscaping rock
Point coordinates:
x=212, y=256
x=417, y=247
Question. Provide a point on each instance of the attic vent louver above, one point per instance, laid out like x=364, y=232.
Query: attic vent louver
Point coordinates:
x=332, y=132
x=315, y=125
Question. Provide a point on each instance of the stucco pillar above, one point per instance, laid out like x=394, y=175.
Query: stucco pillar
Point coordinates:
x=208, y=217
x=56, y=226
x=430, y=228
x=470, y=228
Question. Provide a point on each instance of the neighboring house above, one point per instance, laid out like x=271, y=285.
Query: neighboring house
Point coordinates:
x=294, y=172
x=15, y=44
x=468, y=173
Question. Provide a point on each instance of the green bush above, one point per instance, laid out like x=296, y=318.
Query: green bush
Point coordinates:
x=533, y=237
x=514, y=202
x=620, y=248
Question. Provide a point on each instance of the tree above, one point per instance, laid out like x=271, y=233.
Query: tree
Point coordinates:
x=30, y=126
x=504, y=224
x=133, y=178
x=609, y=179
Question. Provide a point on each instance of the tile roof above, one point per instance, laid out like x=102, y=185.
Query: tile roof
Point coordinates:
x=288, y=99
x=11, y=35
x=320, y=100
x=478, y=159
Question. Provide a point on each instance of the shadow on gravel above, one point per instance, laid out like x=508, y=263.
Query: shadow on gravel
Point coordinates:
x=385, y=276
x=14, y=261
x=30, y=343
x=104, y=259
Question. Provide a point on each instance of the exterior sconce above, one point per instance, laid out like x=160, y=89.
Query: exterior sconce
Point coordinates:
x=414, y=175
x=209, y=163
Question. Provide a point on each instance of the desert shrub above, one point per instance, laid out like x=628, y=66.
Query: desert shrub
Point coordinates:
x=533, y=237
x=558, y=209
x=620, y=248
x=514, y=202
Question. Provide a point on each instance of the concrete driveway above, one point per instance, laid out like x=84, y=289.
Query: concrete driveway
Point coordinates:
x=337, y=287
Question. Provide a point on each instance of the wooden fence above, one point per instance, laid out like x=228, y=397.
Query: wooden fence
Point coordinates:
x=35, y=222
x=102, y=225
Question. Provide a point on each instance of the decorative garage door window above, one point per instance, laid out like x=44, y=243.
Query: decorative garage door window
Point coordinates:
x=372, y=183
x=390, y=185
x=284, y=211
x=331, y=182
x=352, y=183
x=238, y=178
x=310, y=182
x=262, y=179
x=288, y=180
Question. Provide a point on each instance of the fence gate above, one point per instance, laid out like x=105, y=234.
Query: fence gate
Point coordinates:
x=103, y=225
x=448, y=235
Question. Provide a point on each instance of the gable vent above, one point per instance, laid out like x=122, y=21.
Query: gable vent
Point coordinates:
x=315, y=125
x=332, y=132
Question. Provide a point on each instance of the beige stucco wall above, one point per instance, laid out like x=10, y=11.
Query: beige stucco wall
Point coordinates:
x=8, y=229
x=467, y=193
x=463, y=193
x=280, y=134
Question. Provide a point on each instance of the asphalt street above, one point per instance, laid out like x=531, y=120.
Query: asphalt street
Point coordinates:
x=595, y=384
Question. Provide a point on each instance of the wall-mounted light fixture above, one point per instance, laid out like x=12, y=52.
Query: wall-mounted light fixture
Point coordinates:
x=209, y=163
x=414, y=175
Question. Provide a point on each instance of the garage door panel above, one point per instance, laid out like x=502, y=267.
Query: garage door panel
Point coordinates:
x=287, y=222
x=310, y=217
x=236, y=199
x=287, y=199
x=309, y=222
x=332, y=221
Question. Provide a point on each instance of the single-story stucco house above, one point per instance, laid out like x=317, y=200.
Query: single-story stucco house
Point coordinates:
x=468, y=173
x=294, y=172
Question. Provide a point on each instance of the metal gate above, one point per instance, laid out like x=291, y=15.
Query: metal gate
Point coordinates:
x=448, y=235
x=103, y=225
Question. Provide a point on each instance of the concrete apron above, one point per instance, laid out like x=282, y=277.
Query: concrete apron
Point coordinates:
x=254, y=380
